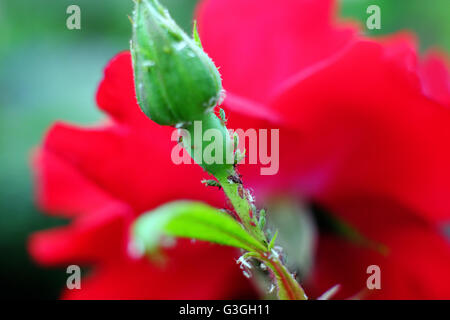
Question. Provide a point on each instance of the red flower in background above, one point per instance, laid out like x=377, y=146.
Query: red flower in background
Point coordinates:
x=363, y=129
x=364, y=132
x=103, y=178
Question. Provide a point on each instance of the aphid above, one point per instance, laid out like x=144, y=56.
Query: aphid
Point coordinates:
x=271, y=288
x=235, y=140
x=274, y=254
x=238, y=156
x=241, y=191
x=277, y=251
x=223, y=118
x=262, y=219
x=247, y=274
x=243, y=263
x=212, y=183
x=235, y=179
x=249, y=197
x=231, y=213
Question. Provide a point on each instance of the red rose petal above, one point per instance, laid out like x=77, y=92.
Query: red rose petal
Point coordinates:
x=416, y=266
x=435, y=77
x=192, y=271
x=99, y=236
x=267, y=42
x=376, y=120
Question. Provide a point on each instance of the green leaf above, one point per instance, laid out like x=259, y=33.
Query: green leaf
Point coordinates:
x=187, y=219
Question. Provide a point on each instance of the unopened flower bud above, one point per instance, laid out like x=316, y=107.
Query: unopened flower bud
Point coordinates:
x=176, y=82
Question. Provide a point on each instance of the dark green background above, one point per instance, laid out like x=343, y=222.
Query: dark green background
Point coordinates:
x=49, y=73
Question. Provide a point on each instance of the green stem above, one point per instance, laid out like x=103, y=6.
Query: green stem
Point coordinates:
x=288, y=287
x=242, y=207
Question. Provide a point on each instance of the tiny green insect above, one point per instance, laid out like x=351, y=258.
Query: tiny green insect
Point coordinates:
x=211, y=183
x=223, y=118
x=262, y=219
x=235, y=140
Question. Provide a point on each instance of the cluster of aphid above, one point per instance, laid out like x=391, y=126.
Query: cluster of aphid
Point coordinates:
x=257, y=217
x=246, y=266
x=238, y=155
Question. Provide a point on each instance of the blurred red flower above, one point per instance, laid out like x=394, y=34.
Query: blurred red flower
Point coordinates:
x=102, y=178
x=364, y=129
x=363, y=126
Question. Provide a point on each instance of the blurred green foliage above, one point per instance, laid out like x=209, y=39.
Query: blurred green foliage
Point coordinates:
x=50, y=73
x=430, y=20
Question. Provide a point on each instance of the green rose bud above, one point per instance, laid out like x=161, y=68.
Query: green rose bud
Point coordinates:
x=176, y=81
